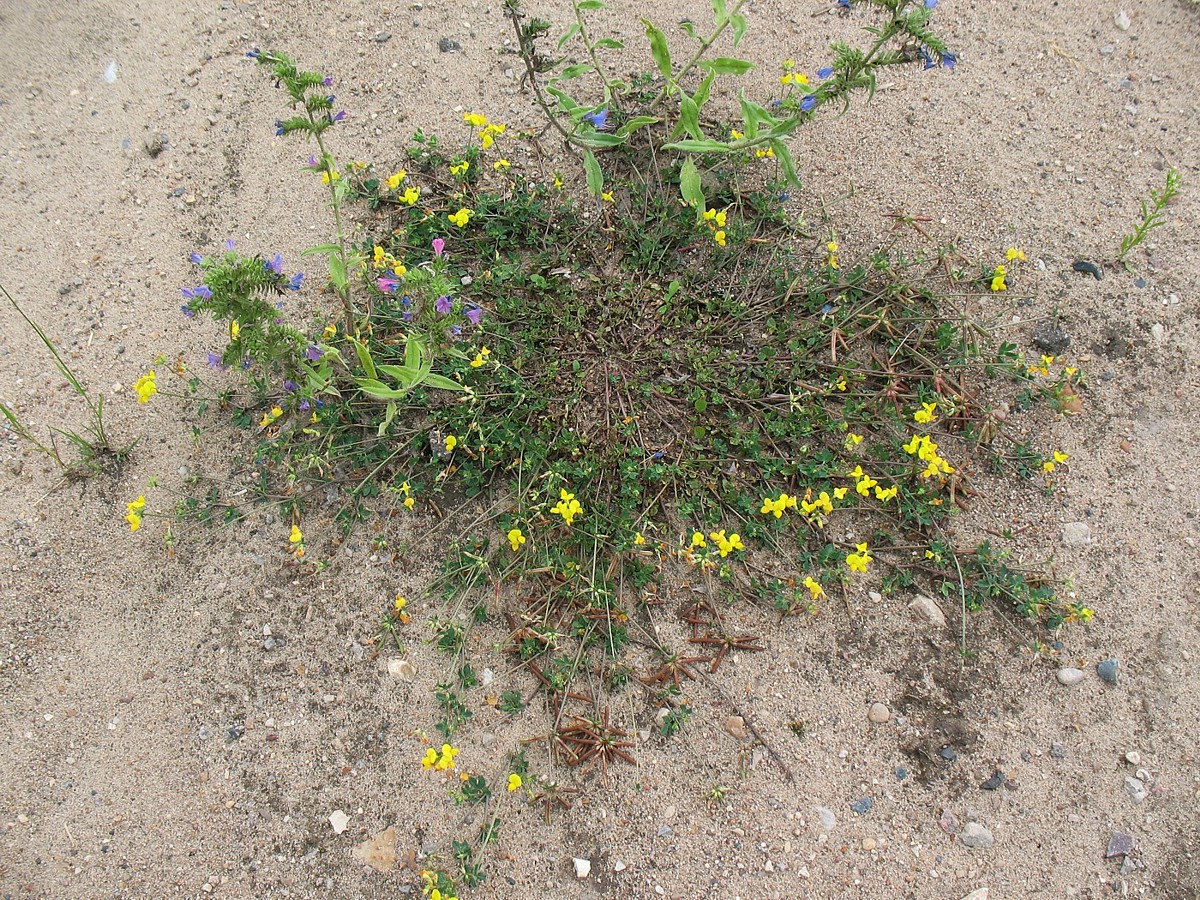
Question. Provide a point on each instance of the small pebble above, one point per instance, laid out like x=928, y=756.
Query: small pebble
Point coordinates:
x=339, y=820
x=583, y=867
x=1058, y=751
x=949, y=754
x=1133, y=758
x=879, y=713
x=862, y=806
x=446, y=45
x=928, y=609
x=1108, y=670
x=1075, y=534
x=1136, y=788
x=736, y=726
x=976, y=837
x=827, y=817
x=1069, y=676
x=869, y=844
x=1119, y=845
x=995, y=782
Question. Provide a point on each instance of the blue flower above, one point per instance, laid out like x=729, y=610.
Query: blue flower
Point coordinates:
x=229, y=244
x=290, y=386
x=196, y=293
x=215, y=361
x=195, y=257
x=295, y=281
x=930, y=4
x=340, y=116
x=808, y=102
x=824, y=71
x=949, y=60
x=845, y=4
x=443, y=304
x=926, y=58
x=456, y=330
x=187, y=311
x=303, y=406
x=327, y=81
x=279, y=129
x=274, y=265
x=598, y=118
x=254, y=54
x=475, y=314
x=313, y=353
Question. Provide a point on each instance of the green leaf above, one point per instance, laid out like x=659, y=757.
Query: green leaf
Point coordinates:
x=727, y=65
x=575, y=71
x=408, y=377
x=658, y=48
x=364, y=358
x=372, y=387
x=564, y=99
x=690, y=30
x=754, y=115
x=388, y=415
x=571, y=32
x=595, y=177
x=719, y=10
x=690, y=187
x=609, y=44
x=442, y=383
x=337, y=271
x=702, y=92
x=635, y=123
x=598, y=139
x=589, y=5
x=689, y=117
x=320, y=248
x=784, y=155
x=738, y=23
x=706, y=146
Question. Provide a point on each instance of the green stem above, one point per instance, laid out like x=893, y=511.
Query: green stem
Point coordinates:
x=699, y=54
x=527, y=51
x=335, y=202
x=591, y=50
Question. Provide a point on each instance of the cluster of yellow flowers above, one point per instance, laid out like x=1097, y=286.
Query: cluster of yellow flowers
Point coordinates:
x=1014, y=254
x=486, y=130
x=411, y=194
x=296, y=540
x=724, y=544
x=398, y=607
x=858, y=561
x=145, y=387
x=567, y=507
x=480, y=357
x=715, y=220
x=439, y=760
x=863, y=483
x=409, y=500
x=778, y=506
x=133, y=513
x=383, y=260
x=925, y=449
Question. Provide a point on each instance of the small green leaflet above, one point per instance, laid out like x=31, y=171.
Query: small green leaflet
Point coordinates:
x=595, y=177
x=658, y=48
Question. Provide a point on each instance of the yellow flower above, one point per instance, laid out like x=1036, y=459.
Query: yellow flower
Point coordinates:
x=1086, y=613
x=515, y=539
x=145, y=387
x=886, y=494
x=379, y=257
x=486, y=140
x=858, y=561
x=567, y=507
x=853, y=440
x=411, y=195
x=475, y=120
x=429, y=760
x=133, y=513
x=409, y=502
x=638, y=540
x=998, y=279
x=270, y=416
x=761, y=153
x=514, y=782
x=451, y=442
x=736, y=135
x=842, y=384
x=864, y=485
x=496, y=128
x=234, y=329
x=840, y=493
x=330, y=331
x=401, y=602
x=446, y=758
x=460, y=218
x=719, y=237
x=1057, y=459
x=297, y=536
x=558, y=182
x=438, y=895
x=393, y=181
x=460, y=168
x=725, y=544
x=698, y=539
x=814, y=587
x=926, y=414
x=327, y=177
x=793, y=78
x=607, y=197
x=501, y=164
x=1015, y=253
x=480, y=357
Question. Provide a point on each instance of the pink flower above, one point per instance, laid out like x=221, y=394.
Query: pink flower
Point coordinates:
x=387, y=284
x=439, y=246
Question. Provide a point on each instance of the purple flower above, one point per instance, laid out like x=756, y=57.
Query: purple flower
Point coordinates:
x=824, y=71
x=187, y=311
x=274, y=265
x=197, y=293
x=290, y=386
x=313, y=353
x=930, y=4
x=387, y=284
x=439, y=246
x=341, y=116
x=214, y=360
x=279, y=129
x=254, y=54
x=926, y=58
x=277, y=321
x=598, y=118
x=295, y=281
x=303, y=407
x=845, y=4
x=443, y=305
x=312, y=161
x=330, y=99
x=406, y=301
x=949, y=60
x=808, y=102
x=195, y=257
x=327, y=81
x=407, y=316
x=475, y=314
x=229, y=244
x=456, y=330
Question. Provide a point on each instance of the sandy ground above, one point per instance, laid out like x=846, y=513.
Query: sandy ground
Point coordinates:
x=154, y=748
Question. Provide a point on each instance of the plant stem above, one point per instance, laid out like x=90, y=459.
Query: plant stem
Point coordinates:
x=335, y=202
x=526, y=51
x=699, y=54
x=591, y=49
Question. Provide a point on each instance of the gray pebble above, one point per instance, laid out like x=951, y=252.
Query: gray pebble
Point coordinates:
x=383, y=37
x=1058, y=751
x=995, y=782
x=1136, y=788
x=1108, y=670
x=879, y=713
x=977, y=837
x=827, y=817
x=1119, y=844
x=1069, y=676
x=446, y=45
x=948, y=753
x=1076, y=533
x=863, y=806
x=205, y=733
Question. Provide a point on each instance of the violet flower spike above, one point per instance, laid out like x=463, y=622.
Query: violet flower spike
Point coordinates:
x=327, y=81
x=229, y=244
x=195, y=257
x=341, y=116
x=187, y=311
x=808, y=102
x=274, y=265
x=313, y=353
x=439, y=246
x=824, y=71
x=290, y=386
